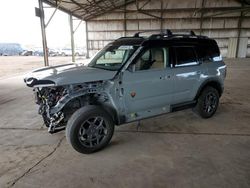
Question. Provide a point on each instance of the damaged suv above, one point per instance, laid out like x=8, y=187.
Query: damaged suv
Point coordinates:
x=130, y=79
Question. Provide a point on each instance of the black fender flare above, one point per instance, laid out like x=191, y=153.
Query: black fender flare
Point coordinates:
x=210, y=82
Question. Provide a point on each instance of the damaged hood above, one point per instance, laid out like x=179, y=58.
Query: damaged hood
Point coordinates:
x=65, y=75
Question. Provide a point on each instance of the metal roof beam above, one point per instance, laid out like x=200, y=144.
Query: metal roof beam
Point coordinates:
x=54, y=12
x=90, y=9
x=79, y=5
x=63, y=9
x=110, y=10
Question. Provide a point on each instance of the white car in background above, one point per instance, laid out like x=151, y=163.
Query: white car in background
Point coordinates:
x=68, y=52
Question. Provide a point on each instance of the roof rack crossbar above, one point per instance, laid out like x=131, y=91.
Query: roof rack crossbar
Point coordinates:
x=168, y=34
x=162, y=31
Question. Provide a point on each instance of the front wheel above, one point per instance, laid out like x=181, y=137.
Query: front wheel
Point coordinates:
x=89, y=129
x=207, y=102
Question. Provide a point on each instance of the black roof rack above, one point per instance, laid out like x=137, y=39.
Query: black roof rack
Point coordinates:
x=168, y=34
x=162, y=34
x=165, y=33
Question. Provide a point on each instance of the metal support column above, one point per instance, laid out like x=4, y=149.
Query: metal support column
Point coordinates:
x=161, y=26
x=239, y=30
x=125, y=21
x=87, y=39
x=45, y=48
x=72, y=37
x=202, y=14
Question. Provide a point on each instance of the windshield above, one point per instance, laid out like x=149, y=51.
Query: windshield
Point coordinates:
x=112, y=57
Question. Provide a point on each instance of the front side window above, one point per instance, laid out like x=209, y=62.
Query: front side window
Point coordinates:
x=153, y=58
x=112, y=57
x=185, y=56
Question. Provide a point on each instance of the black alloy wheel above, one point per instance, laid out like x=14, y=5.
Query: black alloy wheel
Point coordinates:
x=89, y=129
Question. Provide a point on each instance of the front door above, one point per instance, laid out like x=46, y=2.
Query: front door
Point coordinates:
x=149, y=86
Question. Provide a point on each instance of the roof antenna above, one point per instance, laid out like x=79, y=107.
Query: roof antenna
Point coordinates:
x=192, y=33
x=167, y=32
x=137, y=34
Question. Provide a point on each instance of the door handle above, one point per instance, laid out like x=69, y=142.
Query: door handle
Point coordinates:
x=121, y=92
x=164, y=77
x=167, y=77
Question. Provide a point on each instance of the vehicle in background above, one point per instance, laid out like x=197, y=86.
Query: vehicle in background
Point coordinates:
x=38, y=51
x=79, y=52
x=65, y=52
x=53, y=52
x=27, y=53
x=68, y=52
x=10, y=49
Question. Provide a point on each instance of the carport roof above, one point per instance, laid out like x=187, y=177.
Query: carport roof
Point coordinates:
x=87, y=9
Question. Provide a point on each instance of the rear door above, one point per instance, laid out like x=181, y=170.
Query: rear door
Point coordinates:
x=187, y=71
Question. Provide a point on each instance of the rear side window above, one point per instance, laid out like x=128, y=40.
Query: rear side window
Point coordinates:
x=209, y=51
x=185, y=56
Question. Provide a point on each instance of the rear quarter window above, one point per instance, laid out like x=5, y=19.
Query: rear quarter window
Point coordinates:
x=206, y=52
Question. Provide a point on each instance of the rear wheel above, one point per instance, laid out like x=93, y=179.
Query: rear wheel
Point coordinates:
x=89, y=129
x=207, y=102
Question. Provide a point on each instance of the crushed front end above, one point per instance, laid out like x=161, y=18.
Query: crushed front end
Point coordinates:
x=58, y=103
x=47, y=98
x=63, y=89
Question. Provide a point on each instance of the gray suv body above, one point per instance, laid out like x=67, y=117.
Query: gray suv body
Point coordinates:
x=130, y=79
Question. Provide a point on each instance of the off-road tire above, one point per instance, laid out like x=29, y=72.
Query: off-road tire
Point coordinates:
x=203, y=102
x=81, y=118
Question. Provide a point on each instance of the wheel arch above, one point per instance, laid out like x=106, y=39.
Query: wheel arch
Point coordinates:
x=105, y=106
x=213, y=83
x=112, y=112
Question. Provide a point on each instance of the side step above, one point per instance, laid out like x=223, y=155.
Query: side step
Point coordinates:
x=182, y=106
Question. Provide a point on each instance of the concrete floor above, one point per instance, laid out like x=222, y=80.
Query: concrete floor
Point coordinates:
x=174, y=150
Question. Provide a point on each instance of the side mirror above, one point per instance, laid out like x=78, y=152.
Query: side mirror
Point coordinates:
x=131, y=68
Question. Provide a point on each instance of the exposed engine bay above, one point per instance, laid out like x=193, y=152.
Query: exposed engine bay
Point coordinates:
x=57, y=104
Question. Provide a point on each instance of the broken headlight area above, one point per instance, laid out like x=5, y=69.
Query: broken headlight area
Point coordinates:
x=57, y=104
x=47, y=98
x=50, y=94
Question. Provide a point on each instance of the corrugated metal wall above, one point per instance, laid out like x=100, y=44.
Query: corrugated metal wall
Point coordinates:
x=206, y=17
